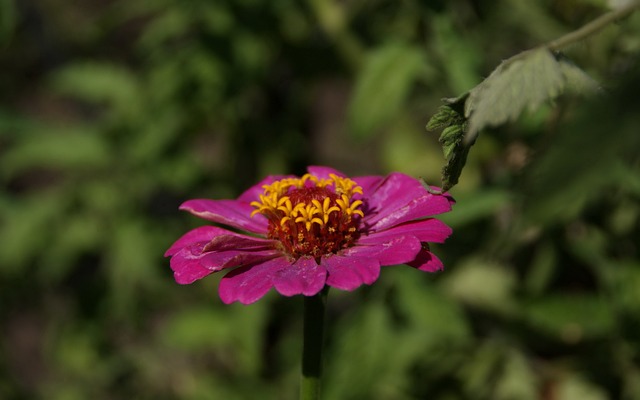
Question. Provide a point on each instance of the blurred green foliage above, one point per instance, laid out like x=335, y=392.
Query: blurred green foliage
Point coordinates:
x=114, y=112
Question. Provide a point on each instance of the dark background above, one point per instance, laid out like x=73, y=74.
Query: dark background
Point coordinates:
x=114, y=112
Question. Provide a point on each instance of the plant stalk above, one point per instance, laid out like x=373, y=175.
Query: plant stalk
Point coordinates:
x=313, y=338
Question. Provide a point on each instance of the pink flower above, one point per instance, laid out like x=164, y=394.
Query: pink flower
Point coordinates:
x=305, y=233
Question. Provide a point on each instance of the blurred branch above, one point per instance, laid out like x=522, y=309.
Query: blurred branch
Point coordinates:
x=592, y=27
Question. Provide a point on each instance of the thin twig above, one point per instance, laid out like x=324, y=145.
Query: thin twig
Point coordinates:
x=592, y=27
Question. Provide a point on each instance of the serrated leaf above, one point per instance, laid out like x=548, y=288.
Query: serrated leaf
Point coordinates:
x=576, y=80
x=451, y=135
x=444, y=117
x=382, y=86
x=521, y=83
x=450, y=116
x=456, y=155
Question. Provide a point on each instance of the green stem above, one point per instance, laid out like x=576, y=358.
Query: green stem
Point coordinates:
x=314, y=310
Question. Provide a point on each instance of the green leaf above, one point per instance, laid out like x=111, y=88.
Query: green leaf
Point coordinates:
x=518, y=380
x=482, y=284
x=450, y=138
x=26, y=227
x=590, y=154
x=541, y=271
x=576, y=387
x=7, y=20
x=571, y=318
x=445, y=117
x=233, y=332
x=452, y=170
x=576, y=80
x=474, y=206
x=74, y=148
x=77, y=234
x=101, y=83
x=460, y=56
x=435, y=318
x=624, y=284
x=382, y=86
x=522, y=82
x=131, y=264
x=450, y=117
x=379, y=364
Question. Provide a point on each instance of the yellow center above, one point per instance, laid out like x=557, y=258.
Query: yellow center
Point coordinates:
x=311, y=216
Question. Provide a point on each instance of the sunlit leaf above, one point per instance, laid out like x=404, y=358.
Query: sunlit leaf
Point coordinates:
x=577, y=387
x=518, y=380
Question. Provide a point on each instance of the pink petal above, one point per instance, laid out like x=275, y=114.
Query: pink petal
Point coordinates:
x=190, y=263
x=219, y=260
x=400, y=198
x=189, y=272
x=426, y=230
x=427, y=261
x=254, y=192
x=323, y=172
x=187, y=265
x=228, y=212
x=368, y=183
x=248, y=284
x=348, y=273
x=195, y=256
x=233, y=241
x=388, y=250
x=304, y=277
x=201, y=234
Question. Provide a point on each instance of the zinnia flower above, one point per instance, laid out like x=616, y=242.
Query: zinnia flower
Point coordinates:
x=303, y=233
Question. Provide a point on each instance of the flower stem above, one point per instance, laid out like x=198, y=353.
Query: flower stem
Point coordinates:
x=314, y=310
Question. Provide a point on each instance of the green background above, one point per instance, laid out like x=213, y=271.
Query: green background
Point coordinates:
x=114, y=112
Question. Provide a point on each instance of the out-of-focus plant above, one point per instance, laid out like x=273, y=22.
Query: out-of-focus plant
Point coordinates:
x=112, y=113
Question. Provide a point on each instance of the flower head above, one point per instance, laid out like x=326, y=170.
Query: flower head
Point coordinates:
x=303, y=233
